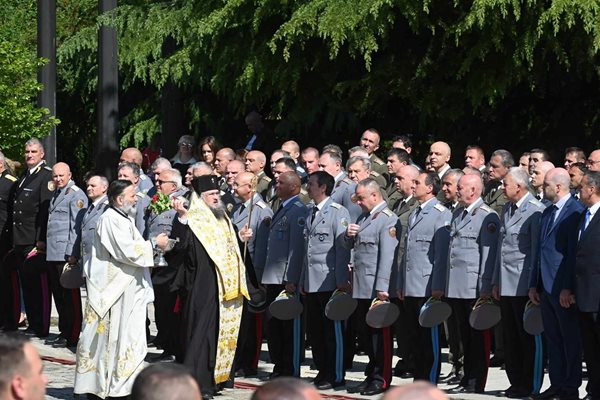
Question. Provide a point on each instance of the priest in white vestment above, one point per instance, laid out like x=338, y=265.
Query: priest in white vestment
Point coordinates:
x=112, y=346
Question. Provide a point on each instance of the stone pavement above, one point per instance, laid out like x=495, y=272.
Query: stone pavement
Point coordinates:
x=60, y=369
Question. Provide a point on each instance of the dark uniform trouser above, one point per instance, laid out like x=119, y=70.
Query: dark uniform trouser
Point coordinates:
x=456, y=354
x=10, y=293
x=519, y=346
x=427, y=364
x=167, y=321
x=280, y=337
x=249, y=341
x=590, y=333
x=68, y=304
x=476, y=344
x=379, y=348
x=327, y=337
x=33, y=274
x=405, y=347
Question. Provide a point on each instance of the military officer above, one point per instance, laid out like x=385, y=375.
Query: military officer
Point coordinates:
x=500, y=162
x=324, y=270
x=471, y=257
x=252, y=217
x=396, y=159
x=286, y=164
x=255, y=163
x=7, y=273
x=423, y=271
x=363, y=166
x=228, y=197
x=30, y=200
x=131, y=172
x=281, y=265
x=159, y=221
x=374, y=239
x=134, y=156
x=97, y=186
x=343, y=189
x=66, y=211
x=518, y=253
x=370, y=141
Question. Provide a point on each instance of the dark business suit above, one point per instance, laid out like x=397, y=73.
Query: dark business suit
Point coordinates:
x=587, y=284
x=554, y=272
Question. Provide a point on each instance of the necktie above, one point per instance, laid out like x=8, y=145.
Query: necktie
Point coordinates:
x=415, y=215
x=464, y=214
x=586, y=222
x=513, y=209
x=552, y=215
x=315, y=210
x=90, y=208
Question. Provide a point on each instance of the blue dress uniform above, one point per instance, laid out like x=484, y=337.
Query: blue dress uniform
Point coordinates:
x=249, y=344
x=67, y=208
x=374, y=256
x=167, y=321
x=517, y=255
x=423, y=270
x=30, y=199
x=471, y=259
x=281, y=263
x=325, y=268
x=8, y=275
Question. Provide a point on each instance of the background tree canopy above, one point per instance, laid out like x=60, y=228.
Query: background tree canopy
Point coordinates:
x=501, y=73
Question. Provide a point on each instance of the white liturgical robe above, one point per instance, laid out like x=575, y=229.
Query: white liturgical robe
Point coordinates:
x=112, y=346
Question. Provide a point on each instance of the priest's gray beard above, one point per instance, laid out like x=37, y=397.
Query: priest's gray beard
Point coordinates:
x=129, y=208
x=219, y=210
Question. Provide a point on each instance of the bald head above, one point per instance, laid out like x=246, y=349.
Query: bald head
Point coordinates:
x=539, y=172
x=469, y=189
x=419, y=390
x=222, y=158
x=439, y=155
x=405, y=178
x=293, y=148
x=556, y=184
x=61, y=174
x=288, y=185
x=255, y=161
x=233, y=168
x=132, y=155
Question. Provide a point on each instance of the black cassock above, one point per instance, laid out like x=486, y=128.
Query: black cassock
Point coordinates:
x=196, y=284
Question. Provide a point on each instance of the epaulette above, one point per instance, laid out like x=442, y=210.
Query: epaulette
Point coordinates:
x=298, y=203
x=105, y=202
x=261, y=204
x=347, y=180
x=303, y=191
x=387, y=212
x=336, y=205
x=140, y=194
x=10, y=177
x=377, y=160
x=266, y=178
x=439, y=207
x=375, y=174
x=536, y=202
x=486, y=208
x=75, y=188
x=143, y=177
x=47, y=168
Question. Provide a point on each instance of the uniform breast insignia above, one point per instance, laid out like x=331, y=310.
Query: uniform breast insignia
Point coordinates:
x=283, y=221
x=80, y=203
x=392, y=231
x=10, y=177
x=267, y=221
x=229, y=207
x=492, y=227
x=439, y=207
x=321, y=237
x=387, y=212
x=335, y=205
x=301, y=222
x=51, y=186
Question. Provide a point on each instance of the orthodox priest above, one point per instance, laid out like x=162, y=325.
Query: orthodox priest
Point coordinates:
x=112, y=345
x=211, y=283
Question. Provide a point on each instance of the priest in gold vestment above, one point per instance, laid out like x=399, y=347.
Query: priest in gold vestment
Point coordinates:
x=112, y=346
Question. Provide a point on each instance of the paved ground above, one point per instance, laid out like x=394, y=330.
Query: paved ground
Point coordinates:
x=60, y=369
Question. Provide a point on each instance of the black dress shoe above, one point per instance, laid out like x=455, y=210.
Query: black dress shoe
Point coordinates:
x=60, y=343
x=452, y=380
x=358, y=388
x=166, y=358
x=549, y=393
x=516, y=393
x=323, y=385
x=374, y=388
x=29, y=332
x=496, y=362
x=569, y=395
x=53, y=340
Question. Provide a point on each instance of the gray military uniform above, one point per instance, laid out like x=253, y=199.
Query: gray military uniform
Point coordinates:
x=518, y=251
x=65, y=212
x=326, y=259
x=259, y=222
x=85, y=238
x=423, y=266
x=374, y=249
x=163, y=222
x=472, y=253
x=281, y=261
x=142, y=204
x=145, y=183
x=342, y=193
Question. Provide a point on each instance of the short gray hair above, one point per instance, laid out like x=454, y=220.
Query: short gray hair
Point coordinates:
x=366, y=162
x=370, y=184
x=33, y=142
x=135, y=169
x=160, y=161
x=457, y=173
x=521, y=177
x=593, y=178
x=175, y=176
x=507, y=159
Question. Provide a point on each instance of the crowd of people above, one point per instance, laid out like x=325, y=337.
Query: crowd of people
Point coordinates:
x=214, y=238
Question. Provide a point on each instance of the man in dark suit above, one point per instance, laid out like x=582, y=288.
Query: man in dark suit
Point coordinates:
x=552, y=285
x=7, y=314
x=587, y=279
x=29, y=200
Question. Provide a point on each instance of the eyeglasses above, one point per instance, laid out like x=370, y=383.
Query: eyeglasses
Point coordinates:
x=185, y=144
x=592, y=162
x=160, y=182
